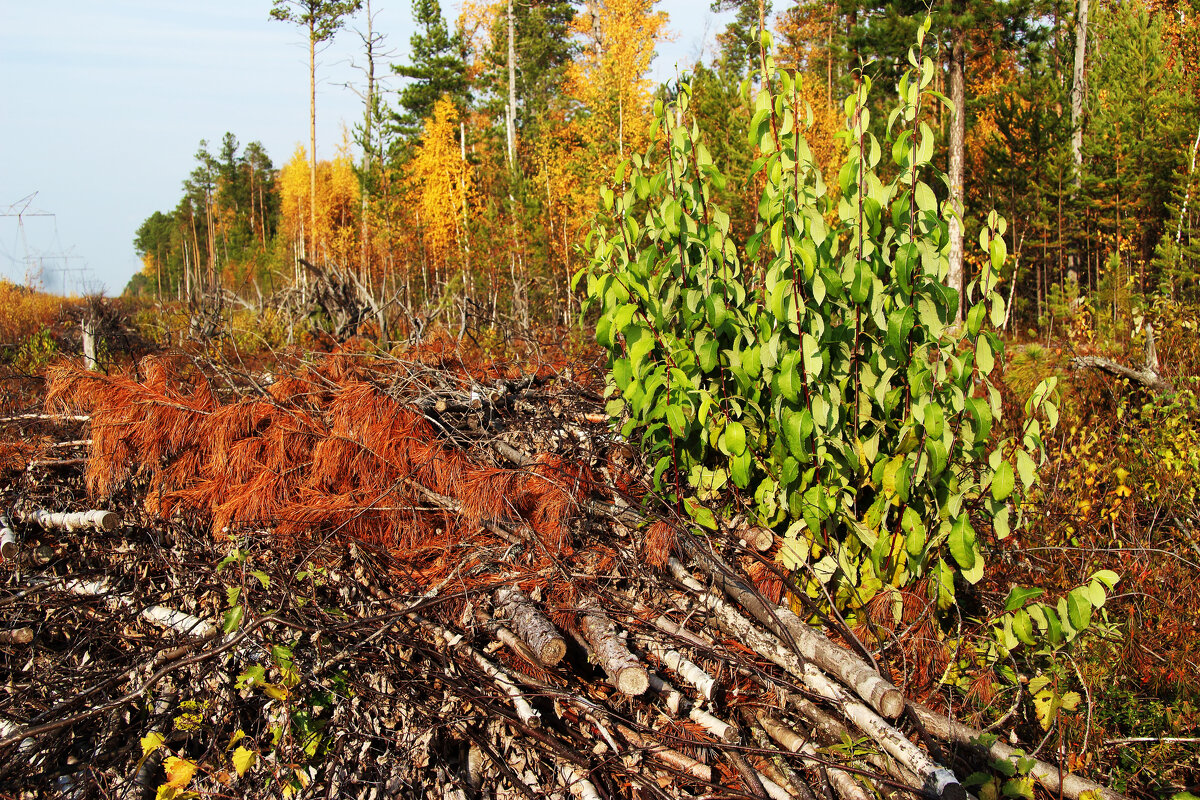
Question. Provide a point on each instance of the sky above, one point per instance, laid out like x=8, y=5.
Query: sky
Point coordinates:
x=103, y=106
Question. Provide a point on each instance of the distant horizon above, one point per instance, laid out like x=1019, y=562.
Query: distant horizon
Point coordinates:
x=107, y=107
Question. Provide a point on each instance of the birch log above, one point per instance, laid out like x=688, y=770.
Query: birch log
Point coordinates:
x=1051, y=777
x=531, y=625
x=681, y=666
x=8, y=539
x=16, y=636
x=621, y=666
x=73, y=520
x=935, y=778
x=672, y=758
x=162, y=616
x=810, y=643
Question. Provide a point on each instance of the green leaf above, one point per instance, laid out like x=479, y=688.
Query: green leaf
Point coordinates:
x=735, y=437
x=860, y=287
x=1079, y=608
x=707, y=350
x=962, y=542
x=984, y=358
x=232, y=619
x=676, y=420
x=1019, y=596
x=1022, y=628
x=1002, y=481
x=934, y=420
x=812, y=356
x=1027, y=469
x=702, y=515
x=1107, y=577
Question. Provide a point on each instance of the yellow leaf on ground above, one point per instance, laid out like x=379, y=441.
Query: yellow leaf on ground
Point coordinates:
x=179, y=772
x=243, y=759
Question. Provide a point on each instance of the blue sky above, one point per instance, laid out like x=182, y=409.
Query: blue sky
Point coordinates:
x=103, y=106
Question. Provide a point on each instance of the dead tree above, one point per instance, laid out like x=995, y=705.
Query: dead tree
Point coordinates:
x=1148, y=375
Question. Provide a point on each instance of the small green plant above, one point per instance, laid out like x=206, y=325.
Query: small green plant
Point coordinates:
x=35, y=353
x=815, y=375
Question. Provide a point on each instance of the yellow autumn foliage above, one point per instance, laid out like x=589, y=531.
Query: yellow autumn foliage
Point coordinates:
x=444, y=182
x=609, y=75
x=338, y=205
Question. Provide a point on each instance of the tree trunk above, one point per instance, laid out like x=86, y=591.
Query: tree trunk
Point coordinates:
x=312, y=138
x=510, y=112
x=958, y=127
x=1081, y=22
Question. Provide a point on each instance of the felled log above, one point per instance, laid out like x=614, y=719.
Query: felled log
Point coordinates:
x=162, y=616
x=74, y=520
x=531, y=625
x=680, y=665
x=525, y=712
x=622, y=667
x=16, y=636
x=935, y=778
x=8, y=538
x=672, y=758
x=1051, y=777
x=1148, y=375
x=843, y=783
x=810, y=643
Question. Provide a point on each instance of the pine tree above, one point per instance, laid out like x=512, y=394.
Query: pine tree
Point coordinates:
x=437, y=70
x=322, y=18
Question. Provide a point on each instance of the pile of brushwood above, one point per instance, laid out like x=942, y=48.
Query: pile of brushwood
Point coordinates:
x=366, y=576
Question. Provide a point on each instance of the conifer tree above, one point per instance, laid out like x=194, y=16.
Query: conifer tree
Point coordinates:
x=436, y=69
x=322, y=18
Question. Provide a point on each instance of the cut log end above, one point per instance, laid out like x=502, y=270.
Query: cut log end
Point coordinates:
x=108, y=521
x=632, y=680
x=17, y=636
x=888, y=701
x=552, y=652
x=8, y=545
x=761, y=539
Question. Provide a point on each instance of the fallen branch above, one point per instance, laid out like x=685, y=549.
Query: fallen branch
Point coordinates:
x=1148, y=375
x=1051, y=777
x=543, y=639
x=810, y=643
x=74, y=520
x=8, y=538
x=162, y=616
x=16, y=636
x=622, y=667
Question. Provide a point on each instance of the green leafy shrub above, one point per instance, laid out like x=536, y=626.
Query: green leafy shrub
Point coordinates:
x=815, y=374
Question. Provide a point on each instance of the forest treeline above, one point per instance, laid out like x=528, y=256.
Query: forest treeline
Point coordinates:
x=476, y=182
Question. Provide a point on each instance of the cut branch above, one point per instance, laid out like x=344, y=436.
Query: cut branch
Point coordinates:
x=622, y=667
x=531, y=625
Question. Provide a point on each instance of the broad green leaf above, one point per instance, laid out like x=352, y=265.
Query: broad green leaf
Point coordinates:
x=1022, y=628
x=1079, y=608
x=984, y=359
x=676, y=420
x=1018, y=596
x=962, y=542
x=232, y=619
x=1002, y=481
x=735, y=437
